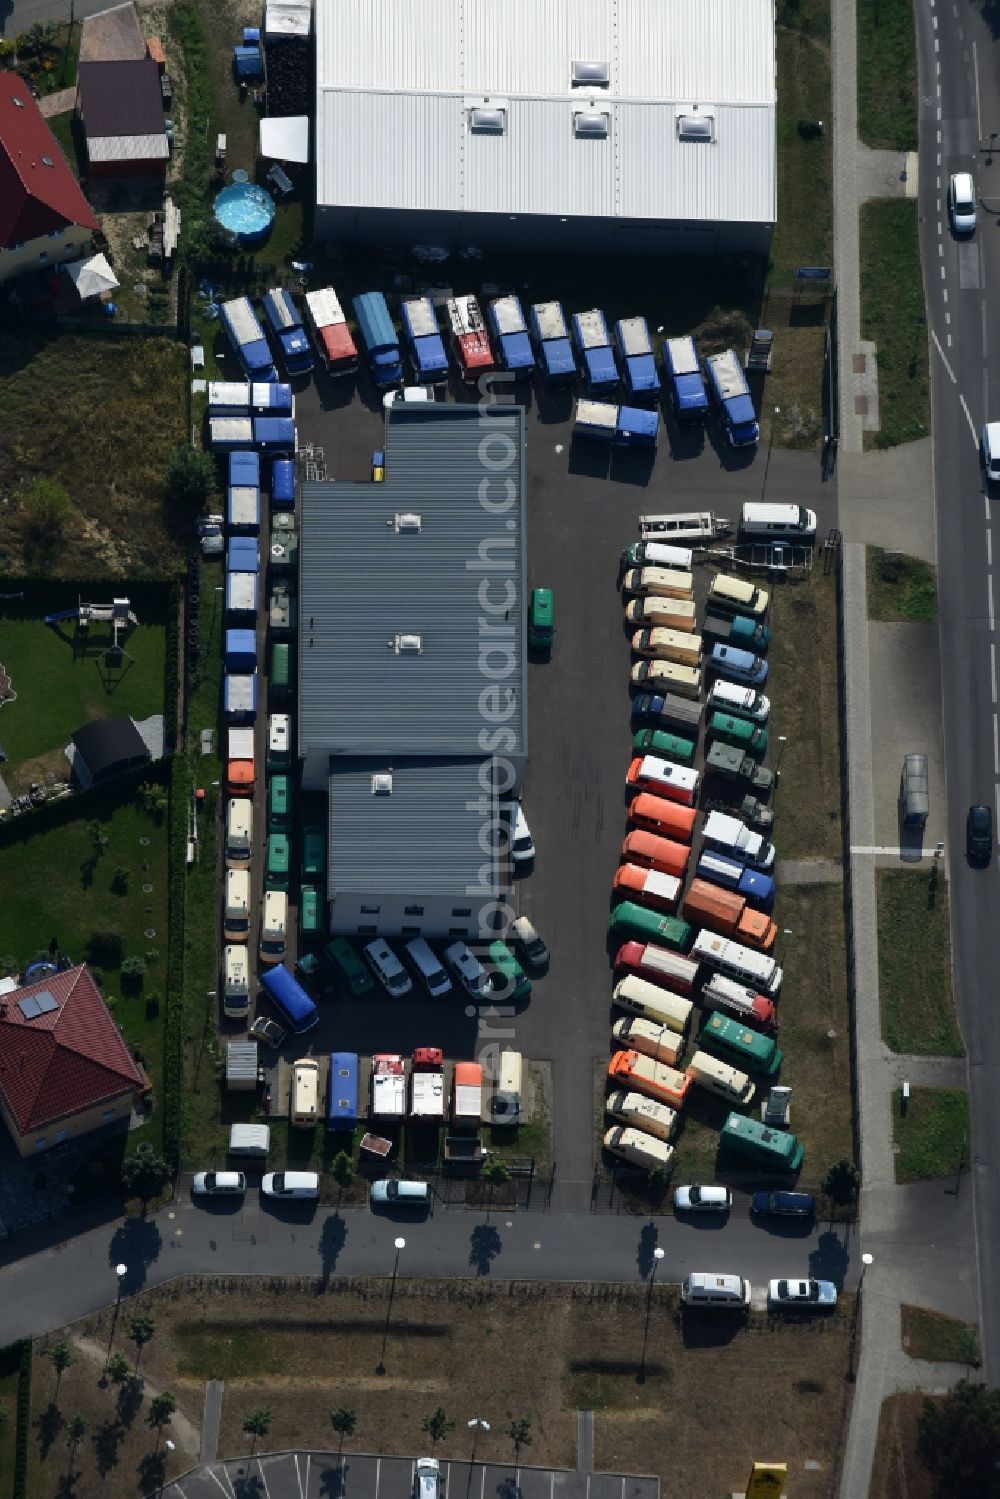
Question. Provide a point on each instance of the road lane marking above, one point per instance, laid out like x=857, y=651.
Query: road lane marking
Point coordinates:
x=939, y=189
x=942, y=268
x=989, y=547
x=934, y=19
x=951, y=372
x=945, y=296
x=937, y=41
x=989, y=592
x=982, y=308
x=996, y=746
x=993, y=670
x=947, y=318
x=975, y=69
x=972, y=429
x=949, y=340
x=941, y=249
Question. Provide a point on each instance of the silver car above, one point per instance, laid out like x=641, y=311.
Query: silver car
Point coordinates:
x=290, y=1184
x=803, y=1295
x=218, y=1184
x=695, y=1199
x=962, y=203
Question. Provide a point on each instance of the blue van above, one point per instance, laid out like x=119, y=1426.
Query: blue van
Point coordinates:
x=379, y=338
x=289, y=997
x=732, y=875
x=342, y=1091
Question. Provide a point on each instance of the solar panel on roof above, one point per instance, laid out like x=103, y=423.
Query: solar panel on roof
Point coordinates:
x=46, y=1002
x=28, y=1007
x=33, y=1005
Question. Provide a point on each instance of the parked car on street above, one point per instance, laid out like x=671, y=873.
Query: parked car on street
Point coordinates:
x=697, y=1199
x=979, y=834
x=218, y=1184
x=962, y=203
x=783, y=1205
x=291, y=1184
x=990, y=447
x=802, y=1295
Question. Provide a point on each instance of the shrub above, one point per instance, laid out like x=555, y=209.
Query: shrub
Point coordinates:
x=133, y=972
x=105, y=947
x=119, y=881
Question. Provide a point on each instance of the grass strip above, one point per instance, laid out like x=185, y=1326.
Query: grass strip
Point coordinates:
x=893, y=316
x=914, y=965
x=887, y=74
x=931, y=1130
x=901, y=588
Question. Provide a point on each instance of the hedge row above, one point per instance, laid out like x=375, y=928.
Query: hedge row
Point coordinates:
x=190, y=190
x=173, y=1035
x=19, y=1489
x=171, y=674
x=95, y=802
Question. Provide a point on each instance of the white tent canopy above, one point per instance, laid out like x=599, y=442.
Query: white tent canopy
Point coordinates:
x=285, y=138
x=91, y=276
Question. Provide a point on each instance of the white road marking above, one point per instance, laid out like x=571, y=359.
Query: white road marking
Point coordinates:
x=986, y=506
x=945, y=294
x=996, y=798
x=942, y=268
x=949, y=340
x=939, y=138
x=939, y=162
x=941, y=253
x=937, y=345
x=975, y=69
x=996, y=746
x=989, y=598
x=993, y=670
x=947, y=318
x=937, y=40
x=935, y=20
x=972, y=429
x=939, y=189
x=989, y=547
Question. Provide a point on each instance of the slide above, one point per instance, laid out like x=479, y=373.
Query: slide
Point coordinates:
x=60, y=614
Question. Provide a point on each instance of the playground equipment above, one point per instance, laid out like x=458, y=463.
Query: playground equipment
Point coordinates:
x=118, y=614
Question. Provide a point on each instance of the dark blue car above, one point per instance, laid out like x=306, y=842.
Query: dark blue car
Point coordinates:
x=783, y=1205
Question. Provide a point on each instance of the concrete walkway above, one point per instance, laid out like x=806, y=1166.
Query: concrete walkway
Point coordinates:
x=58, y=103
x=211, y=1416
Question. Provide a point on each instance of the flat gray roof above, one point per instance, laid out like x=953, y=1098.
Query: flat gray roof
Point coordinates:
x=423, y=835
x=366, y=580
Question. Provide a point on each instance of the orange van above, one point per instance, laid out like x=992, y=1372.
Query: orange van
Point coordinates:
x=629, y=1069
x=655, y=853
x=632, y=882
x=667, y=819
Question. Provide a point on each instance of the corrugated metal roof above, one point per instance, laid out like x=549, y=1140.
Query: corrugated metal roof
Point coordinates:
x=396, y=78
x=363, y=583
x=422, y=837
x=127, y=148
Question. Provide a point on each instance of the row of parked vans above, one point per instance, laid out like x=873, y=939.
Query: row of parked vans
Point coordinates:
x=715, y=941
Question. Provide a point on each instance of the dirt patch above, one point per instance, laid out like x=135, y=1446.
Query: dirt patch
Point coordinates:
x=303, y=1348
x=898, y=1469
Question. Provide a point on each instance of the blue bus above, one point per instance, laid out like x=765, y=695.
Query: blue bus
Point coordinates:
x=342, y=1091
x=289, y=998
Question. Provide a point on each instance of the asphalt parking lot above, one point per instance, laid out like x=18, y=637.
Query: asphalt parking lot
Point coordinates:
x=322, y=1475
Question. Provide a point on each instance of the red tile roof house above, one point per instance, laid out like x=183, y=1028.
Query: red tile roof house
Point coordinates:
x=121, y=106
x=44, y=217
x=64, y=1067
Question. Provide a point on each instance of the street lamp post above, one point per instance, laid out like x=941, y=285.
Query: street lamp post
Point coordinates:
x=770, y=445
x=476, y=1425
x=400, y=1244
x=786, y=932
x=866, y=1260
x=120, y=1272
x=782, y=741
x=658, y=1257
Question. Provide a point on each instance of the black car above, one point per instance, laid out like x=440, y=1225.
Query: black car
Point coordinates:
x=979, y=834
x=783, y=1205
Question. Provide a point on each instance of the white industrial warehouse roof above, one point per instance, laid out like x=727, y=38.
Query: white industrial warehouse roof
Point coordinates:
x=397, y=79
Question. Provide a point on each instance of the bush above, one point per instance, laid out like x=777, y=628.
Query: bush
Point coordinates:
x=190, y=478
x=105, y=947
x=119, y=880
x=133, y=972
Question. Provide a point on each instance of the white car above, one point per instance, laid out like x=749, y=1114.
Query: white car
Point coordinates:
x=522, y=846
x=290, y=1184
x=802, y=1294
x=218, y=1184
x=695, y=1199
x=990, y=446
x=962, y=203
x=468, y=970
x=427, y=1478
x=420, y=394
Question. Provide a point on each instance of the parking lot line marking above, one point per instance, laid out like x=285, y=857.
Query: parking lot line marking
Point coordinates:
x=222, y=1486
x=972, y=428
x=378, y=1474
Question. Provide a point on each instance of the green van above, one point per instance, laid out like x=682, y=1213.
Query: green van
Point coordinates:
x=347, y=967
x=671, y=746
x=280, y=681
x=751, y=738
x=310, y=912
x=313, y=853
x=279, y=803
x=278, y=856
x=509, y=981
x=541, y=619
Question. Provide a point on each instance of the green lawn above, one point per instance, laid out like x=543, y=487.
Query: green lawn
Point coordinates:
x=894, y=317
x=60, y=688
x=52, y=885
x=914, y=965
x=931, y=1133
x=901, y=588
x=887, y=74
x=939, y=1339
x=99, y=415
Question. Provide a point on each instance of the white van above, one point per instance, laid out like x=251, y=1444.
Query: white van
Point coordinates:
x=708, y=1288
x=734, y=596
x=428, y=967
x=667, y=676
x=252, y=1140
x=304, y=1092
x=633, y=1033
x=640, y=997
x=235, y=983
x=642, y=1113
x=236, y=921
x=387, y=968
x=273, y=926
x=638, y=1148
x=778, y=522
x=721, y=1078
x=239, y=832
x=507, y=1093
x=746, y=702
x=279, y=741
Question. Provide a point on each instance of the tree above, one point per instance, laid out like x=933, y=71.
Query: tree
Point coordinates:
x=95, y=832
x=344, y=1419
x=140, y=1330
x=190, y=478
x=75, y=1433
x=959, y=1438
x=495, y=1174
x=48, y=505
x=118, y=1368
x=161, y=1408
x=843, y=1181
x=257, y=1424
x=519, y=1432
x=119, y=886
x=342, y=1170
x=104, y=946
x=144, y=1176
x=437, y=1426
x=61, y=1355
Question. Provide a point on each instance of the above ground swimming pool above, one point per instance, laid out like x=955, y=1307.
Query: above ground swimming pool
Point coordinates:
x=246, y=210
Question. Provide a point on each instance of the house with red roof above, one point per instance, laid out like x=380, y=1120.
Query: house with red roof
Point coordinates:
x=44, y=217
x=64, y=1066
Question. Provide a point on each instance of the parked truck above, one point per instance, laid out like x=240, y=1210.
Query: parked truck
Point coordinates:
x=753, y=809
x=733, y=875
x=388, y=1086
x=228, y=398
x=274, y=398
x=378, y=335
x=423, y=341
x=748, y=634
x=467, y=1094
x=243, y=493
x=727, y=912
x=427, y=1084
x=635, y=351
x=548, y=324
x=733, y=765
x=619, y=426
x=685, y=386
x=286, y=325
x=239, y=762
x=731, y=393
x=247, y=338
x=331, y=335
x=469, y=338
x=590, y=336
x=731, y=836
x=270, y=433
x=510, y=335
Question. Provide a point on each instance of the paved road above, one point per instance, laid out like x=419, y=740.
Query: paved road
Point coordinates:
x=64, y=1278
x=958, y=105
